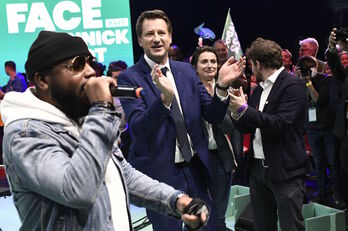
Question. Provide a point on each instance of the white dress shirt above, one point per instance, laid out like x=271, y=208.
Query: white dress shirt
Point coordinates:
x=211, y=141
x=267, y=87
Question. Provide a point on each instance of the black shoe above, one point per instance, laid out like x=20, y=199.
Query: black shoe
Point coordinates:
x=338, y=202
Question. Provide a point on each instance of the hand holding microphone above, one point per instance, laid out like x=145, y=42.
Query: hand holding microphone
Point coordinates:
x=127, y=91
x=103, y=89
x=98, y=89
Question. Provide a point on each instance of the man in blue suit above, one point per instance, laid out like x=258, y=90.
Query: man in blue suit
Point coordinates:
x=276, y=116
x=168, y=141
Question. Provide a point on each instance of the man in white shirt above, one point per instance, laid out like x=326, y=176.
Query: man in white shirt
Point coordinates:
x=275, y=115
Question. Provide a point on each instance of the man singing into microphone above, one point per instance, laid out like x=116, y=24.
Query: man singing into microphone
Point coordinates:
x=62, y=162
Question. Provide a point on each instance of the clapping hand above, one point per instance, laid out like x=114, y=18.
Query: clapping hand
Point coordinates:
x=164, y=85
x=231, y=70
x=237, y=99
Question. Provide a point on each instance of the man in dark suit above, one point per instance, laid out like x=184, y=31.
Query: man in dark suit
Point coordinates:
x=275, y=116
x=168, y=142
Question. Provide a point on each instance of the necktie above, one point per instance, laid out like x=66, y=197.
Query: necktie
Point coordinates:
x=181, y=132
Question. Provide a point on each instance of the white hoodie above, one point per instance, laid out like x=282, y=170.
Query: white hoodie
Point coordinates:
x=26, y=105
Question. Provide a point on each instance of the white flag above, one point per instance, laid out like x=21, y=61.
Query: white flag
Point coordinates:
x=230, y=37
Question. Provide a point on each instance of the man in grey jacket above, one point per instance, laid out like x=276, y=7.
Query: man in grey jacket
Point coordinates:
x=63, y=164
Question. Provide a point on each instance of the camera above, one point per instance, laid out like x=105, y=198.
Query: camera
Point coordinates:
x=305, y=71
x=342, y=34
x=305, y=63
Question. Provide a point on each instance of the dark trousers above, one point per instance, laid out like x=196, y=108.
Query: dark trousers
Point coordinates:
x=192, y=181
x=344, y=153
x=323, y=146
x=220, y=190
x=344, y=166
x=271, y=200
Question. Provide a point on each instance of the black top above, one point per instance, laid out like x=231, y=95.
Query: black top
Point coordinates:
x=324, y=113
x=340, y=74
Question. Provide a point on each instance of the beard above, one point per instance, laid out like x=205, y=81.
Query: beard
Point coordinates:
x=258, y=77
x=73, y=105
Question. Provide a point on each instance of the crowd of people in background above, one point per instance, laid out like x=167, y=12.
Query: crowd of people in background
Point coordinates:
x=146, y=130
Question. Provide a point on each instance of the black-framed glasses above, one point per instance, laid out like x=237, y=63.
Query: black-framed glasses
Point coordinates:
x=78, y=63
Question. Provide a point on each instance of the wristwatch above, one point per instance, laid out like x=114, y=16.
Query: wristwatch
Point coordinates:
x=182, y=194
x=220, y=87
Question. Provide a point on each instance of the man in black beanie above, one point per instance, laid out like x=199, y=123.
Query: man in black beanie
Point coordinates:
x=67, y=173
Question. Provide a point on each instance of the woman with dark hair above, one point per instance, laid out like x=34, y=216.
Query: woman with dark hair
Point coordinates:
x=225, y=141
x=206, y=61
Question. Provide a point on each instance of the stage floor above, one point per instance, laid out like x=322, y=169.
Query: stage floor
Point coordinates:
x=9, y=220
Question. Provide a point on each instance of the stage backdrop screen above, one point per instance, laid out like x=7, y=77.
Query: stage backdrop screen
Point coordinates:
x=103, y=24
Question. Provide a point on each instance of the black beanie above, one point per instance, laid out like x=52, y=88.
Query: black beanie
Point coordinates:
x=50, y=48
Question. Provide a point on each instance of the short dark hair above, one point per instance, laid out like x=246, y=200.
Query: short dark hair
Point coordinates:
x=152, y=14
x=116, y=66
x=307, y=61
x=199, y=51
x=267, y=52
x=11, y=65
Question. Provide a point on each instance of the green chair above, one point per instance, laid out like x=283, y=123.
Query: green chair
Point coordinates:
x=238, y=200
x=319, y=217
x=322, y=218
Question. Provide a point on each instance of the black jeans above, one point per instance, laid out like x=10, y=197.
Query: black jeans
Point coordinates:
x=323, y=146
x=271, y=200
x=344, y=165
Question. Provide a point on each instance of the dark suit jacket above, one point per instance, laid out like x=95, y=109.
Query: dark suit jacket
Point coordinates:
x=224, y=153
x=340, y=126
x=283, y=124
x=341, y=79
x=152, y=126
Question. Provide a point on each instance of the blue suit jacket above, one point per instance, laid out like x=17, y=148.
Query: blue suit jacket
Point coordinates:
x=151, y=124
x=283, y=124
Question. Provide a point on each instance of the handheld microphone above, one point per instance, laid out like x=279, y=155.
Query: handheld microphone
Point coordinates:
x=127, y=91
